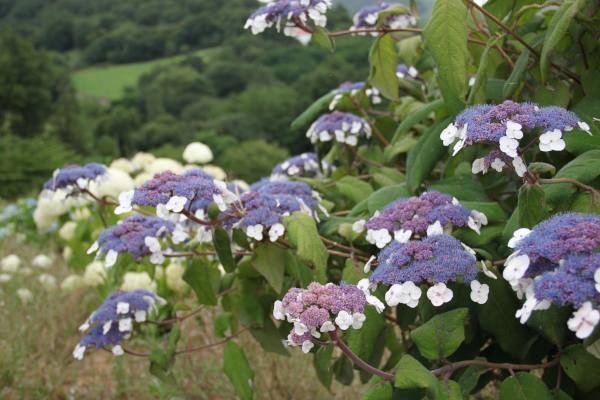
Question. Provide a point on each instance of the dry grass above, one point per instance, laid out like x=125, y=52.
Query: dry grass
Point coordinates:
x=37, y=340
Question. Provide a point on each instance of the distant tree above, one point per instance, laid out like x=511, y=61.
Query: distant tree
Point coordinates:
x=252, y=160
x=119, y=124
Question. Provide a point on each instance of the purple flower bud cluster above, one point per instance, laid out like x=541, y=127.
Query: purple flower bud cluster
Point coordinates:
x=304, y=165
x=488, y=123
x=128, y=237
x=96, y=338
x=344, y=127
x=558, y=238
x=438, y=258
x=296, y=12
x=137, y=300
x=368, y=17
x=195, y=185
x=418, y=213
x=71, y=174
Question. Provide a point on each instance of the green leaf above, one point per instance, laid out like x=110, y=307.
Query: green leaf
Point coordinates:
x=324, y=377
x=497, y=316
x=414, y=11
x=158, y=372
x=418, y=116
x=525, y=387
x=499, y=9
x=324, y=357
x=449, y=390
x=213, y=211
x=303, y=234
x=425, y=154
x=511, y=226
x=455, y=103
x=551, y=323
x=472, y=239
x=297, y=270
x=235, y=366
x=557, y=28
x=252, y=296
x=354, y=189
x=394, y=9
x=362, y=341
x=352, y=275
x=589, y=80
x=558, y=97
x=468, y=380
x=531, y=205
x=240, y=238
x=461, y=188
x=584, y=169
x=196, y=275
x=495, y=89
x=517, y=75
x=581, y=366
x=269, y=261
x=378, y=390
x=221, y=324
x=383, y=67
x=222, y=246
x=173, y=339
x=320, y=38
x=385, y=196
x=411, y=374
x=441, y=335
x=311, y=113
x=481, y=78
x=583, y=203
x=492, y=211
x=269, y=338
x=539, y=168
x=445, y=38
x=578, y=142
x=402, y=146
x=344, y=373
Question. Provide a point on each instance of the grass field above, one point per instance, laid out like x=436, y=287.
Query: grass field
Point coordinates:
x=109, y=82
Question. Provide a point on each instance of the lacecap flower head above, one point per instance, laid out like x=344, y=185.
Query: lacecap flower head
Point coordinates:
x=368, y=18
x=75, y=176
x=344, y=127
x=353, y=89
x=295, y=13
x=304, y=165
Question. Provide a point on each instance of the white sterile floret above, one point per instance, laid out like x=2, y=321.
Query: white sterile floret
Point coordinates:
x=279, y=311
x=509, y=146
x=584, y=320
x=468, y=249
x=435, y=229
x=518, y=235
x=439, y=294
x=479, y=166
x=458, y=146
x=152, y=243
x=368, y=264
x=85, y=326
x=176, y=203
x=179, y=234
x=513, y=130
x=520, y=286
x=197, y=153
x=411, y=294
x=525, y=312
x=162, y=211
x=255, y=232
x=351, y=140
x=125, y=325
x=497, y=164
x=125, y=199
x=393, y=296
x=479, y=292
x=140, y=316
x=375, y=302
x=363, y=285
x=78, y=352
x=118, y=350
x=449, y=134
x=300, y=328
x=476, y=220
x=515, y=267
x=111, y=258
x=343, y=320
x=597, y=279
x=381, y=237
x=336, y=99
x=403, y=236
x=487, y=272
x=358, y=320
x=106, y=327
x=552, y=141
x=584, y=127
x=41, y=261
x=307, y=345
x=327, y=327
x=122, y=307
x=276, y=231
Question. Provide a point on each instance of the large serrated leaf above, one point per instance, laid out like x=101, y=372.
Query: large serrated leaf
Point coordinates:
x=385, y=196
x=441, y=335
x=378, y=390
x=383, y=67
x=304, y=237
x=517, y=75
x=578, y=142
x=418, y=116
x=320, y=38
x=531, y=205
x=269, y=261
x=449, y=390
x=481, y=78
x=223, y=248
x=411, y=374
x=196, y=275
x=581, y=366
x=362, y=341
x=524, y=386
x=235, y=366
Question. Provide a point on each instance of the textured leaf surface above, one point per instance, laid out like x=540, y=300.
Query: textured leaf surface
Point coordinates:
x=383, y=67
x=196, y=275
x=441, y=335
x=385, y=196
x=223, y=248
x=411, y=374
x=235, y=366
x=581, y=366
x=320, y=38
x=531, y=205
x=481, y=78
x=517, y=75
x=269, y=261
x=579, y=142
x=418, y=116
x=524, y=387
x=304, y=236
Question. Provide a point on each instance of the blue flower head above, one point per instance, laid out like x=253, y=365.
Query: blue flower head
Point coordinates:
x=368, y=17
x=344, y=127
x=296, y=12
x=304, y=165
x=75, y=175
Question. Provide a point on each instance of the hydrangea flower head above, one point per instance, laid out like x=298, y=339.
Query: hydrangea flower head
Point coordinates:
x=296, y=12
x=75, y=175
x=354, y=88
x=368, y=17
x=304, y=165
x=344, y=127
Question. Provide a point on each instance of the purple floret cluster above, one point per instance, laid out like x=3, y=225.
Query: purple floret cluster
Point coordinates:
x=418, y=213
x=487, y=123
x=296, y=189
x=195, y=185
x=304, y=165
x=438, y=258
x=72, y=175
x=344, y=127
x=368, y=17
x=128, y=237
x=296, y=12
x=138, y=300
